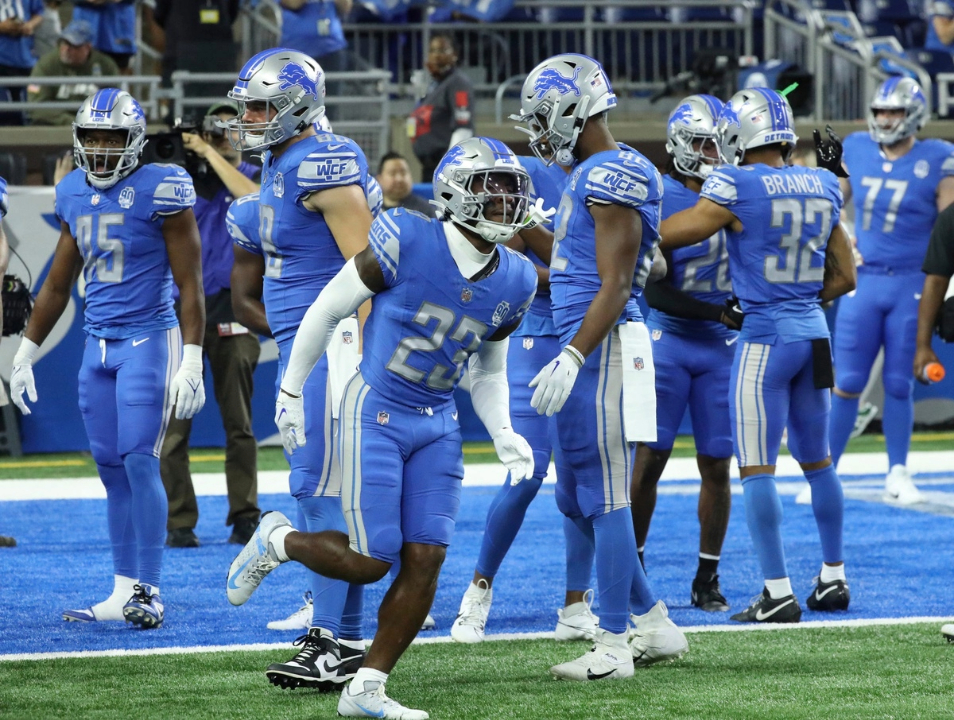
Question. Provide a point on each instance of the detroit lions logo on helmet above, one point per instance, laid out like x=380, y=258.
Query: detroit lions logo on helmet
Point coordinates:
x=730, y=115
x=454, y=156
x=682, y=114
x=293, y=74
x=551, y=79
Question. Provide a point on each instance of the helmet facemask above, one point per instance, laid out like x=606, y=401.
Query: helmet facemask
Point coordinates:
x=106, y=166
x=553, y=138
x=886, y=131
x=693, y=154
x=251, y=135
x=494, y=203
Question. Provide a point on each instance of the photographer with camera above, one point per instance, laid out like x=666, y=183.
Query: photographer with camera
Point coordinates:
x=220, y=175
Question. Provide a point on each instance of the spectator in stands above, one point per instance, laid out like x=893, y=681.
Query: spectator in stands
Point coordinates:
x=394, y=176
x=444, y=115
x=114, y=26
x=314, y=28
x=198, y=38
x=940, y=34
x=47, y=33
x=73, y=57
x=18, y=21
x=232, y=351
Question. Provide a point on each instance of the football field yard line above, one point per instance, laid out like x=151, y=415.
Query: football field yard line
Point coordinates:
x=490, y=637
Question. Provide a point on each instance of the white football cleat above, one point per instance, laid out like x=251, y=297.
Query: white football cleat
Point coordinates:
x=372, y=702
x=656, y=637
x=429, y=622
x=577, y=621
x=948, y=632
x=609, y=659
x=257, y=559
x=472, y=617
x=899, y=488
x=298, y=620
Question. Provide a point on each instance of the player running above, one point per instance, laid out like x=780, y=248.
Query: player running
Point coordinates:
x=129, y=228
x=787, y=255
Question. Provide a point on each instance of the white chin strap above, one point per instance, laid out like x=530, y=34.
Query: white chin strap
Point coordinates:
x=494, y=232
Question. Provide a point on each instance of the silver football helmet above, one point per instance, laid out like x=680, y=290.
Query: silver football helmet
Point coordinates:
x=291, y=85
x=109, y=109
x=690, y=131
x=503, y=183
x=897, y=93
x=753, y=118
x=558, y=97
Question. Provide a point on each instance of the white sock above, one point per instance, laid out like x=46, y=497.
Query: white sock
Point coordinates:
x=367, y=680
x=782, y=587
x=476, y=589
x=112, y=607
x=277, y=541
x=830, y=573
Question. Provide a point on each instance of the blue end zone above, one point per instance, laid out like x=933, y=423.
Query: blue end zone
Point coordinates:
x=898, y=566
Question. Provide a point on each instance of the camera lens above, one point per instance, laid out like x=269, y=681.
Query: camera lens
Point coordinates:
x=165, y=148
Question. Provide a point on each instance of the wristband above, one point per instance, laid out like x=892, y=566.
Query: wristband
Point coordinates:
x=575, y=354
x=26, y=352
x=191, y=354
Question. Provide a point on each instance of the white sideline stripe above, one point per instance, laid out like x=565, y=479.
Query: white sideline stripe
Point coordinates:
x=477, y=475
x=501, y=637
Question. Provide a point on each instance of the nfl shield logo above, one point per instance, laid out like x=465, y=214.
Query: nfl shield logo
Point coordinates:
x=383, y=418
x=346, y=337
x=638, y=363
x=528, y=343
x=278, y=187
x=466, y=295
x=126, y=197
x=657, y=334
x=95, y=200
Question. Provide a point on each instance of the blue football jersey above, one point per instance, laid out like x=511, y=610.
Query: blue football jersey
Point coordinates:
x=119, y=234
x=302, y=252
x=895, y=201
x=546, y=182
x=430, y=319
x=777, y=262
x=4, y=200
x=700, y=270
x=620, y=177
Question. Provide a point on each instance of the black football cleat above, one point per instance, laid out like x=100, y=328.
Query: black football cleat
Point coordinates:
x=828, y=597
x=707, y=595
x=315, y=666
x=766, y=610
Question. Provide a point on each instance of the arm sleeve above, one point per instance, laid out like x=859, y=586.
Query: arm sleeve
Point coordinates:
x=616, y=184
x=385, y=243
x=335, y=163
x=947, y=166
x=174, y=193
x=340, y=299
x=489, y=390
x=241, y=222
x=4, y=201
x=940, y=253
x=663, y=296
x=720, y=188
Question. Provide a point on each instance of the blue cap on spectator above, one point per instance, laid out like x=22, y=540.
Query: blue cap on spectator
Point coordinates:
x=78, y=32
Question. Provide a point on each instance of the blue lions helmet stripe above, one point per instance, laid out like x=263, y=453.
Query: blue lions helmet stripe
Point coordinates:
x=294, y=74
x=714, y=104
x=553, y=79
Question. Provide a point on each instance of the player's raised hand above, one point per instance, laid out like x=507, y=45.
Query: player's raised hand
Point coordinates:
x=538, y=215
x=828, y=152
x=290, y=418
x=188, y=388
x=515, y=453
x=22, y=380
x=555, y=382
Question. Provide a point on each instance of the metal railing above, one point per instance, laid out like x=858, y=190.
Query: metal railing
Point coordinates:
x=145, y=88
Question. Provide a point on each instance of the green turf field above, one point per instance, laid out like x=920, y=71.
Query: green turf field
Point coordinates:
x=67, y=465
x=901, y=671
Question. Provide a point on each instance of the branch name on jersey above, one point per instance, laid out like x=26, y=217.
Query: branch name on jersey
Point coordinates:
x=620, y=177
x=431, y=319
x=777, y=262
x=700, y=270
x=119, y=234
x=895, y=200
x=303, y=255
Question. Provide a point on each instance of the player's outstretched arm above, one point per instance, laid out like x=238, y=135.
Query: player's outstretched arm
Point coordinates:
x=185, y=259
x=248, y=271
x=50, y=304
x=932, y=296
x=841, y=276
x=695, y=224
x=543, y=273
x=357, y=282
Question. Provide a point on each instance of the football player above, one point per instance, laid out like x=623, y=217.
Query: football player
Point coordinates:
x=693, y=356
x=313, y=217
x=899, y=184
x=129, y=228
x=603, y=246
x=443, y=290
x=787, y=255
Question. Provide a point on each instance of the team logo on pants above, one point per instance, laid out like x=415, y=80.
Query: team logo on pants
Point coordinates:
x=383, y=418
x=638, y=363
x=528, y=343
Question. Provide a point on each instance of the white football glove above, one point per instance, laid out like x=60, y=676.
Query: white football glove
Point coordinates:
x=290, y=418
x=538, y=215
x=22, y=378
x=555, y=382
x=515, y=453
x=188, y=388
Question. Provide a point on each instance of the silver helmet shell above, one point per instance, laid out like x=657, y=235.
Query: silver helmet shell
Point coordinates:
x=897, y=93
x=285, y=80
x=109, y=109
x=465, y=205
x=558, y=97
x=693, y=121
x=753, y=118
